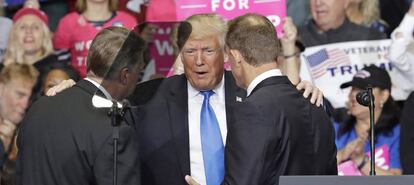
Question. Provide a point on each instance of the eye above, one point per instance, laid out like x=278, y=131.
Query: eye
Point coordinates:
x=22, y=27
x=190, y=51
x=36, y=27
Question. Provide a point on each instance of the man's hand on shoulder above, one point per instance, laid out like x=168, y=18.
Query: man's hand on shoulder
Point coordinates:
x=310, y=89
x=65, y=84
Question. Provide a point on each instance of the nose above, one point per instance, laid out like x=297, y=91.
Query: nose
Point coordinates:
x=28, y=30
x=199, y=58
x=318, y=2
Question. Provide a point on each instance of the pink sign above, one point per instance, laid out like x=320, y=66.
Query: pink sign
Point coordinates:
x=382, y=160
x=274, y=10
x=162, y=51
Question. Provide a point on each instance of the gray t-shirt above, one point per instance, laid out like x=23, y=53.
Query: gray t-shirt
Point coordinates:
x=5, y=25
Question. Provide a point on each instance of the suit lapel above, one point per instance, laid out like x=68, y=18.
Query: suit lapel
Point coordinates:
x=233, y=94
x=178, y=110
x=271, y=81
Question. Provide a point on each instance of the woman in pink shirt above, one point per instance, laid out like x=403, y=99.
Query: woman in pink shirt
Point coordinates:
x=77, y=29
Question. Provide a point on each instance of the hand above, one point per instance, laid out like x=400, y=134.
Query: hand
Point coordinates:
x=7, y=130
x=60, y=87
x=317, y=95
x=190, y=180
x=32, y=4
x=288, y=40
x=352, y=149
x=411, y=10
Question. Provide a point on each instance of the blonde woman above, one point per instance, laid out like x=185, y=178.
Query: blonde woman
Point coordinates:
x=30, y=37
x=367, y=13
x=30, y=42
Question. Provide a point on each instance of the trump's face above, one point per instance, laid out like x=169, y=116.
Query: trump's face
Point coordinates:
x=203, y=60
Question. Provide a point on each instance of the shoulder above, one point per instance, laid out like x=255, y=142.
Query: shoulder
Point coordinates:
x=127, y=19
x=366, y=32
x=5, y=22
x=70, y=17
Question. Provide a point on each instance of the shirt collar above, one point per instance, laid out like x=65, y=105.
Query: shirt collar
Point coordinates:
x=106, y=93
x=261, y=77
x=219, y=90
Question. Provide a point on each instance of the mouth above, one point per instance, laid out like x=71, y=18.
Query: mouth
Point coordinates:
x=321, y=13
x=28, y=40
x=201, y=74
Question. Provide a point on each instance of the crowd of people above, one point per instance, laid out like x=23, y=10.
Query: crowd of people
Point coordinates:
x=99, y=48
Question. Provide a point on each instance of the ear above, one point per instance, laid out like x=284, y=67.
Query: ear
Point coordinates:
x=2, y=87
x=124, y=76
x=237, y=56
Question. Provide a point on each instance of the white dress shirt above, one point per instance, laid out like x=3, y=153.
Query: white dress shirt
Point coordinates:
x=402, y=54
x=195, y=101
x=261, y=77
x=108, y=96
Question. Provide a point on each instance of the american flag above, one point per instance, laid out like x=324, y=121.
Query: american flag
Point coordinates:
x=320, y=61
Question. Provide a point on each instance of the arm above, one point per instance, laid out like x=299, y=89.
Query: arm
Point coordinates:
x=290, y=65
x=401, y=38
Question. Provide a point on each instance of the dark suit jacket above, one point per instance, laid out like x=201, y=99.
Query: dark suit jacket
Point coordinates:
x=163, y=131
x=407, y=137
x=65, y=140
x=276, y=131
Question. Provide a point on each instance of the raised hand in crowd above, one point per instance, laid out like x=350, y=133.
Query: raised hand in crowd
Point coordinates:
x=32, y=4
x=290, y=65
x=7, y=130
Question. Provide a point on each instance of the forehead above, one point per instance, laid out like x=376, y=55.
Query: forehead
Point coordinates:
x=202, y=41
x=20, y=84
x=29, y=19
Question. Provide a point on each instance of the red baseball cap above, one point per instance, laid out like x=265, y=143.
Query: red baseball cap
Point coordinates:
x=31, y=11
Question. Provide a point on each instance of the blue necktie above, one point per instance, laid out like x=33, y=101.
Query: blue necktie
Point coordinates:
x=211, y=142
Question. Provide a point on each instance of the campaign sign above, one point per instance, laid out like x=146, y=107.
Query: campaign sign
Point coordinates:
x=274, y=10
x=328, y=66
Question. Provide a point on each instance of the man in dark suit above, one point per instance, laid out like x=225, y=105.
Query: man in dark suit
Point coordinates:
x=274, y=131
x=66, y=140
x=172, y=126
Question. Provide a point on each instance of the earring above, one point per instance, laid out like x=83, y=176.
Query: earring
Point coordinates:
x=381, y=104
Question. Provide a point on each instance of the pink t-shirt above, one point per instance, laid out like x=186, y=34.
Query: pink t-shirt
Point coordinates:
x=75, y=33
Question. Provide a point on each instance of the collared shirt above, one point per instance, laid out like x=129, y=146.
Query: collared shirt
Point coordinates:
x=195, y=101
x=261, y=77
x=106, y=93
